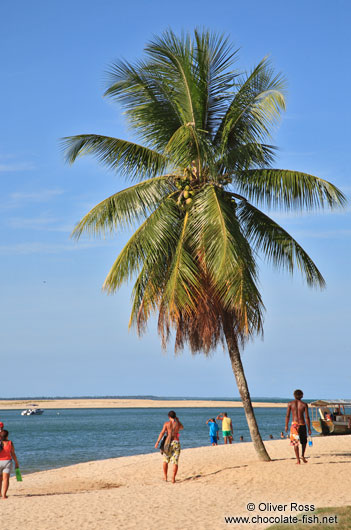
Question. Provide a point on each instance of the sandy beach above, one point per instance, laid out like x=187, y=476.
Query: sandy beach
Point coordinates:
x=123, y=403
x=213, y=482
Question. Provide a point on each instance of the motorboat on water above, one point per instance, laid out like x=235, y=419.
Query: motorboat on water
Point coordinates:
x=331, y=416
x=31, y=412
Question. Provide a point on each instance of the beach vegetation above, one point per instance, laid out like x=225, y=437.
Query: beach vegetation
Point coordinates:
x=329, y=518
x=201, y=183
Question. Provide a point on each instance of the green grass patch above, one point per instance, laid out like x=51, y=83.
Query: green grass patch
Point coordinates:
x=329, y=519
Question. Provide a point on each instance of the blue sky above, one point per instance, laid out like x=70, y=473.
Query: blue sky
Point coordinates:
x=59, y=334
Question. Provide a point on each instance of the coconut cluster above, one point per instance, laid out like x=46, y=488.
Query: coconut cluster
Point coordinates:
x=186, y=186
x=186, y=193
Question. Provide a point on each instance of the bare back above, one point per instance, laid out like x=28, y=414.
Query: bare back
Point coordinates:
x=298, y=409
x=172, y=427
x=299, y=412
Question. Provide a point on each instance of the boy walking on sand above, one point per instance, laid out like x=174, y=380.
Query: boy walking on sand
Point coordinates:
x=298, y=434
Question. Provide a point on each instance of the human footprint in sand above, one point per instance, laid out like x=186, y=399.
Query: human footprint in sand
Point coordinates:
x=298, y=434
x=171, y=450
x=7, y=454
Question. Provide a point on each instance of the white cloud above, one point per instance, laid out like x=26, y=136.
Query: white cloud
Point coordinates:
x=47, y=248
x=280, y=214
x=35, y=196
x=296, y=153
x=323, y=234
x=40, y=223
x=17, y=199
x=16, y=166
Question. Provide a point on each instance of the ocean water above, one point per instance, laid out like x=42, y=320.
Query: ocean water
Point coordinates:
x=63, y=437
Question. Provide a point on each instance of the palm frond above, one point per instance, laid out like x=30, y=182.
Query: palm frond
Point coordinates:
x=150, y=246
x=173, y=56
x=188, y=145
x=276, y=244
x=213, y=57
x=168, y=279
x=254, y=109
x=126, y=207
x=286, y=189
x=148, y=99
x=227, y=255
x=182, y=283
x=244, y=156
x=130, y=159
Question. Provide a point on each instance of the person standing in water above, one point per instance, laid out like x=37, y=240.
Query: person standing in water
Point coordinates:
x=298, y=435
x=227, y=427
x=213, y=431
x=172, y=448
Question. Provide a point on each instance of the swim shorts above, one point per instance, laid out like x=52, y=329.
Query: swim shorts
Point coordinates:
x=298, y=434
x=5, y=466
x=227, y=433
x=173, y=453
x=213, y=439
x=303, y=434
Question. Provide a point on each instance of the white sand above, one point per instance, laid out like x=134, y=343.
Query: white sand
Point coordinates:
x=213, y=482
x=123, y=403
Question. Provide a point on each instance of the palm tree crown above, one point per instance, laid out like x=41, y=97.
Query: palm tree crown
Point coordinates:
x=201, y=171
x=204, y=164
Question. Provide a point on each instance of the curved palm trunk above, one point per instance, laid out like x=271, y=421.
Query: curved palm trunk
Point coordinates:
x=241, y=382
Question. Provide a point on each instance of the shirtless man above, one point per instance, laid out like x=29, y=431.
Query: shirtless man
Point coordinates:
x=299, y=411
x=172, y=445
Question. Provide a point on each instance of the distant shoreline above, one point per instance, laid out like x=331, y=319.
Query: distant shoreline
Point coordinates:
x=104, y=403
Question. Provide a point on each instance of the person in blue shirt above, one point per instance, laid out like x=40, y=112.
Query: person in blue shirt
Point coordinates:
x=213, y=431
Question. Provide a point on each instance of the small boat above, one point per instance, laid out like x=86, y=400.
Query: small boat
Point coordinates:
x=331, y=416
x=31, y=412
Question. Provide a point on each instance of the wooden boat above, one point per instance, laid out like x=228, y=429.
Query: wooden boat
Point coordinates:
x=331, y=416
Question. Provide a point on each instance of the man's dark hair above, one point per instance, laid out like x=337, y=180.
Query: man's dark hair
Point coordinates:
x=298, y=394
x=224, y=413
x=4, y=434
x=172, y=414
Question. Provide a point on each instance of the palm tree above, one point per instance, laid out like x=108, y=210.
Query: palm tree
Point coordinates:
x=202, y=171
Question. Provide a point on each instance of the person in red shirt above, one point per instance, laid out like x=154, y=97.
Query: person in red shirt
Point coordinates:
x=7, y=454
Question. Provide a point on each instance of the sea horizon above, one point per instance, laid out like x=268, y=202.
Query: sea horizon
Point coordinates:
x=156, y=398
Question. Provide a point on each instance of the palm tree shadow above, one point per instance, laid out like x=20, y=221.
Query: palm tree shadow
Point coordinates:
x=332, y=462
x=51, y=494
x=194, y=477
x=25, y=495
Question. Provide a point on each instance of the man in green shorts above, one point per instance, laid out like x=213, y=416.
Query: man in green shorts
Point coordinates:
x=227, y=427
